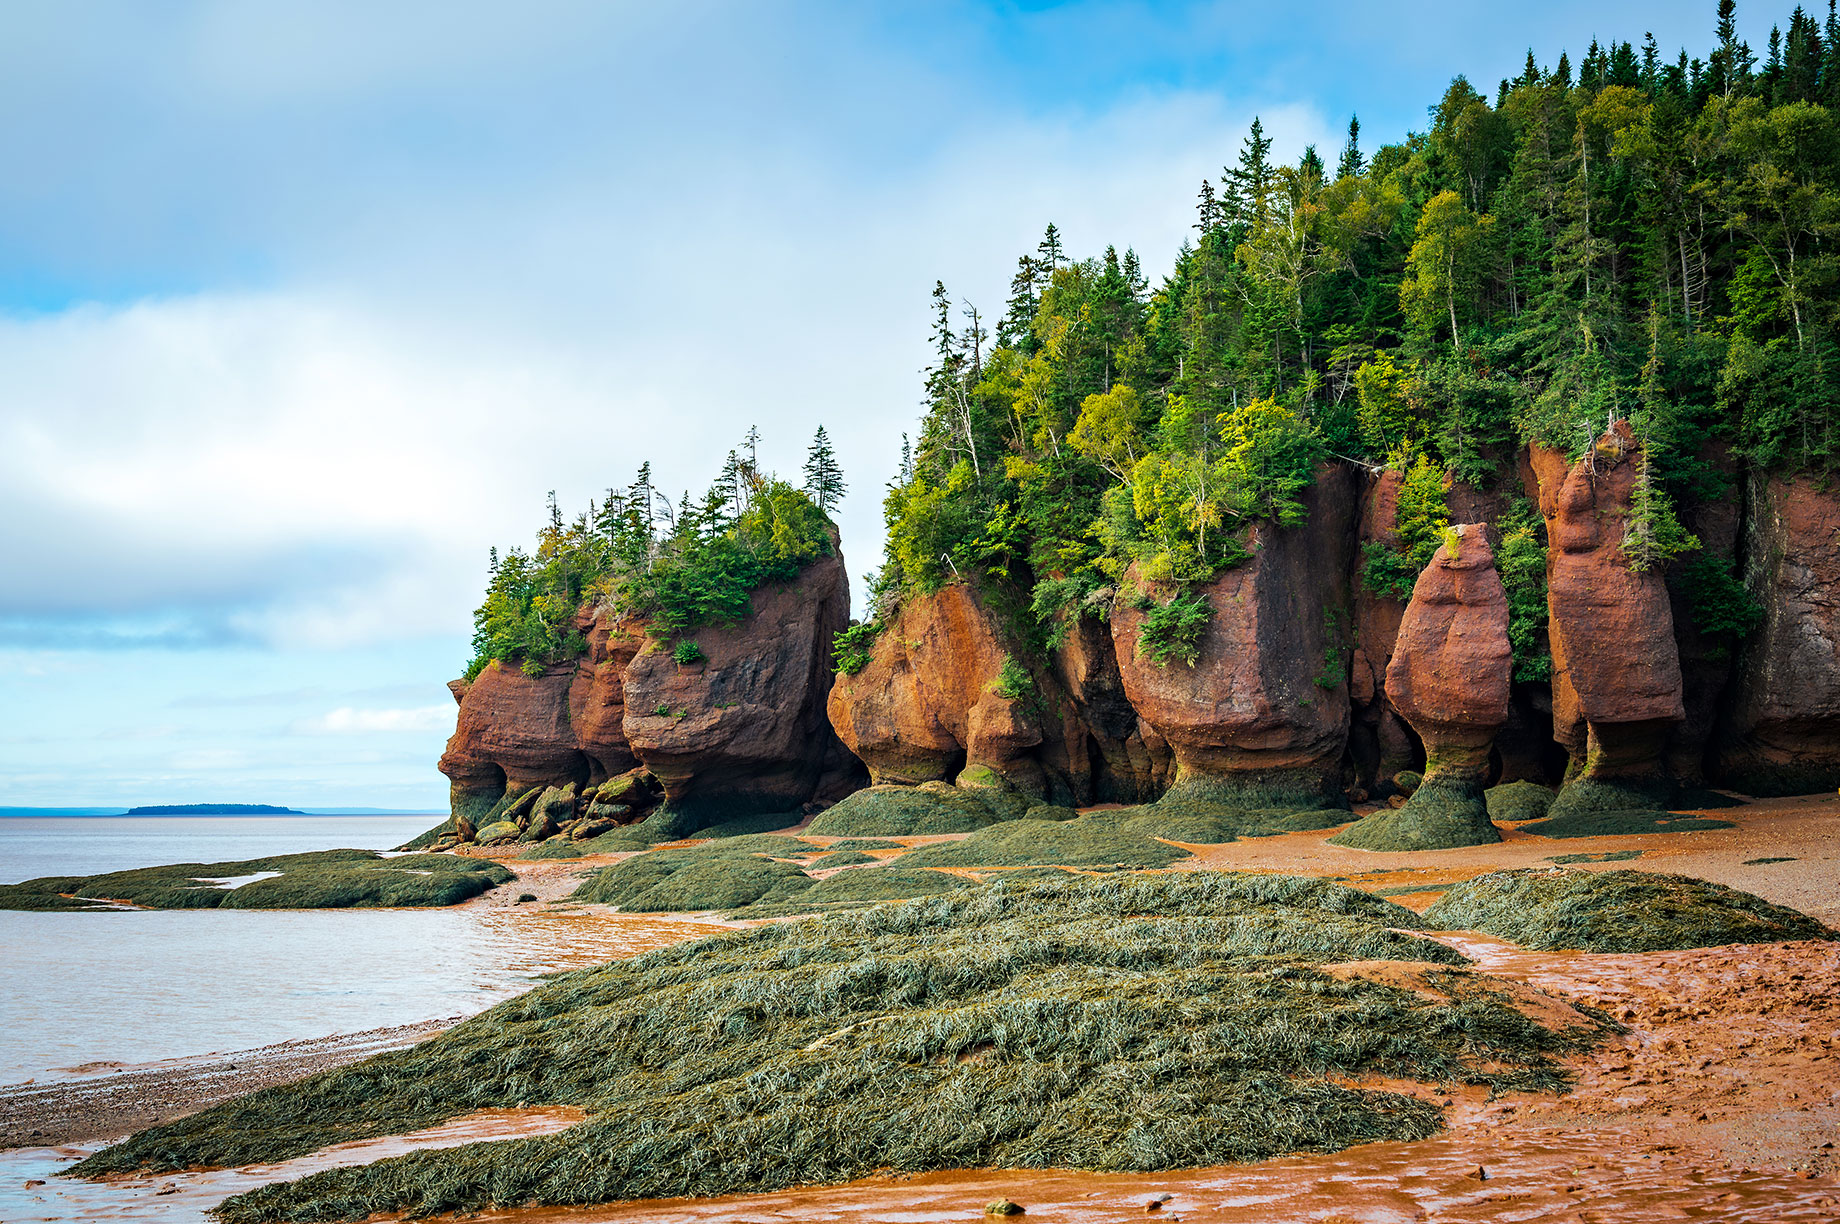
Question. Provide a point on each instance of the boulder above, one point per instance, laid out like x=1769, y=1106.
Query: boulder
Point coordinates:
x=1260, y=719
x=1782, y=729
x=1450, y=679
x=1617, y=691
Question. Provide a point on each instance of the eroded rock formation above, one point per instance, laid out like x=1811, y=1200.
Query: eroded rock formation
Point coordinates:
x=933, y=704
x=1617, y=691
x=1450, y=678
x=1261, y=716
x=1783, y=731
x=743, y=731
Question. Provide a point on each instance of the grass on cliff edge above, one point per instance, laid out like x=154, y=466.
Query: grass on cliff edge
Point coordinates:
x=324, y=879
x=1614, y=911
x=1123, y=1023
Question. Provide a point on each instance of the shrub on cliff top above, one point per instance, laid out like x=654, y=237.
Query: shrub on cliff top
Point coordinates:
x=697, y=566
x=324, y=879
x=1615, y=911
x=1127, y=1023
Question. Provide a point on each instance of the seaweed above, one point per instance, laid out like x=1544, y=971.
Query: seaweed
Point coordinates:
x=1123, y=1023
x=1615, y=911
x=905, y=811
x=323, y=879
x=1622, y=823
x=1442, y=814
x=1515, y=801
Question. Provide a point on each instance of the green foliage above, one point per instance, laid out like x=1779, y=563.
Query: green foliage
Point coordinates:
x=687, y=653
x=1521, y=562
x=1013, y=682
x=1335, y=664
x=1615, y=911
x=1175, y=630
x=854, y=647
x=1723, y=609
x=1419, y=521
x=678, y=568
x=1655, y=242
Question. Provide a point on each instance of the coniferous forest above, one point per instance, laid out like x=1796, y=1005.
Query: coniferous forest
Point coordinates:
x=1632, y=236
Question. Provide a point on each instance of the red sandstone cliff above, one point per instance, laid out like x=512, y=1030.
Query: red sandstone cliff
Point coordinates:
x=742, y=732
x=1262, y=714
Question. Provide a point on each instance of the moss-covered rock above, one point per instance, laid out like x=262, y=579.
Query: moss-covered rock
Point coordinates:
x=1515, y=801
x=498, y=831
x=1622, y=824
x=910, y=811
x=1442, y=814
x=324, y=879
x=1615, y=911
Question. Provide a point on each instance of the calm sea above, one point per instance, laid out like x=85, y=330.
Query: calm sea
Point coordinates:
x=146, y=985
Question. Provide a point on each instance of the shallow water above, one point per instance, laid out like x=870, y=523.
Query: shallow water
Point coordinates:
x=146, y=985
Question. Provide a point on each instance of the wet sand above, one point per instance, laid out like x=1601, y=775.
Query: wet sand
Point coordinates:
x=31, y=1190
x=1722, y=1102
x=107, y=1100
x=1805, y=829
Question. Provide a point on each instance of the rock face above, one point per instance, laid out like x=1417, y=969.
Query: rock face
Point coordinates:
x=745, y=730
x=1261, y=717
x=742, y=732
x=1379, y=741
x=1450, y=678
x=1782, y=733
x=1616, y=686
x=927, y=707
x=1451, y=665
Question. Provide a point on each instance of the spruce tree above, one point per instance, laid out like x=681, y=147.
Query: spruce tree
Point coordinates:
x=1051, y=252
x=823, y=477
x=1352, y=163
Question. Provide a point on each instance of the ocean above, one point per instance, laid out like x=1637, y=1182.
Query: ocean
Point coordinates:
x=142, y=986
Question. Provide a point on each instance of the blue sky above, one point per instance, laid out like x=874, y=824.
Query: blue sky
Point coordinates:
x=305, y=305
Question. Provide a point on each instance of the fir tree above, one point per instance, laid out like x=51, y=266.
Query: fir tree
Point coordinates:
x=823, y=477
x=1352, y=163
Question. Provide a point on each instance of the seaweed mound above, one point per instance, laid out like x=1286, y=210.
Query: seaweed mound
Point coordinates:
x=1442, y=814
x=1622, y=823
x=1512, y=801
x=323, y=879
x=1615, y=911
x=1127, y=1023
x=911, y=811
x=1121, y=837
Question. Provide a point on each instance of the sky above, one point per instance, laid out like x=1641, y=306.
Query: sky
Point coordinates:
x=305, y=305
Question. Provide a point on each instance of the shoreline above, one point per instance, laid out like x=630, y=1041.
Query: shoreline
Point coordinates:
x=106, y=1101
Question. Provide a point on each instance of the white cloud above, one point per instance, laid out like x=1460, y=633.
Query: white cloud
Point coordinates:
x=348, y=721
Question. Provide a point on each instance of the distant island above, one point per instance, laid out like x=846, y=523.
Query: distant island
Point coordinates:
x=213, y=809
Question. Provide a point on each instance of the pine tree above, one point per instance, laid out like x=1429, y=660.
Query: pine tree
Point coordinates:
x=1050, y=250
x=1017, y=329
x=823, y=478
x=1352, y=163
x=1207, y=208
x=1249, y=183
x=1830, y=60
